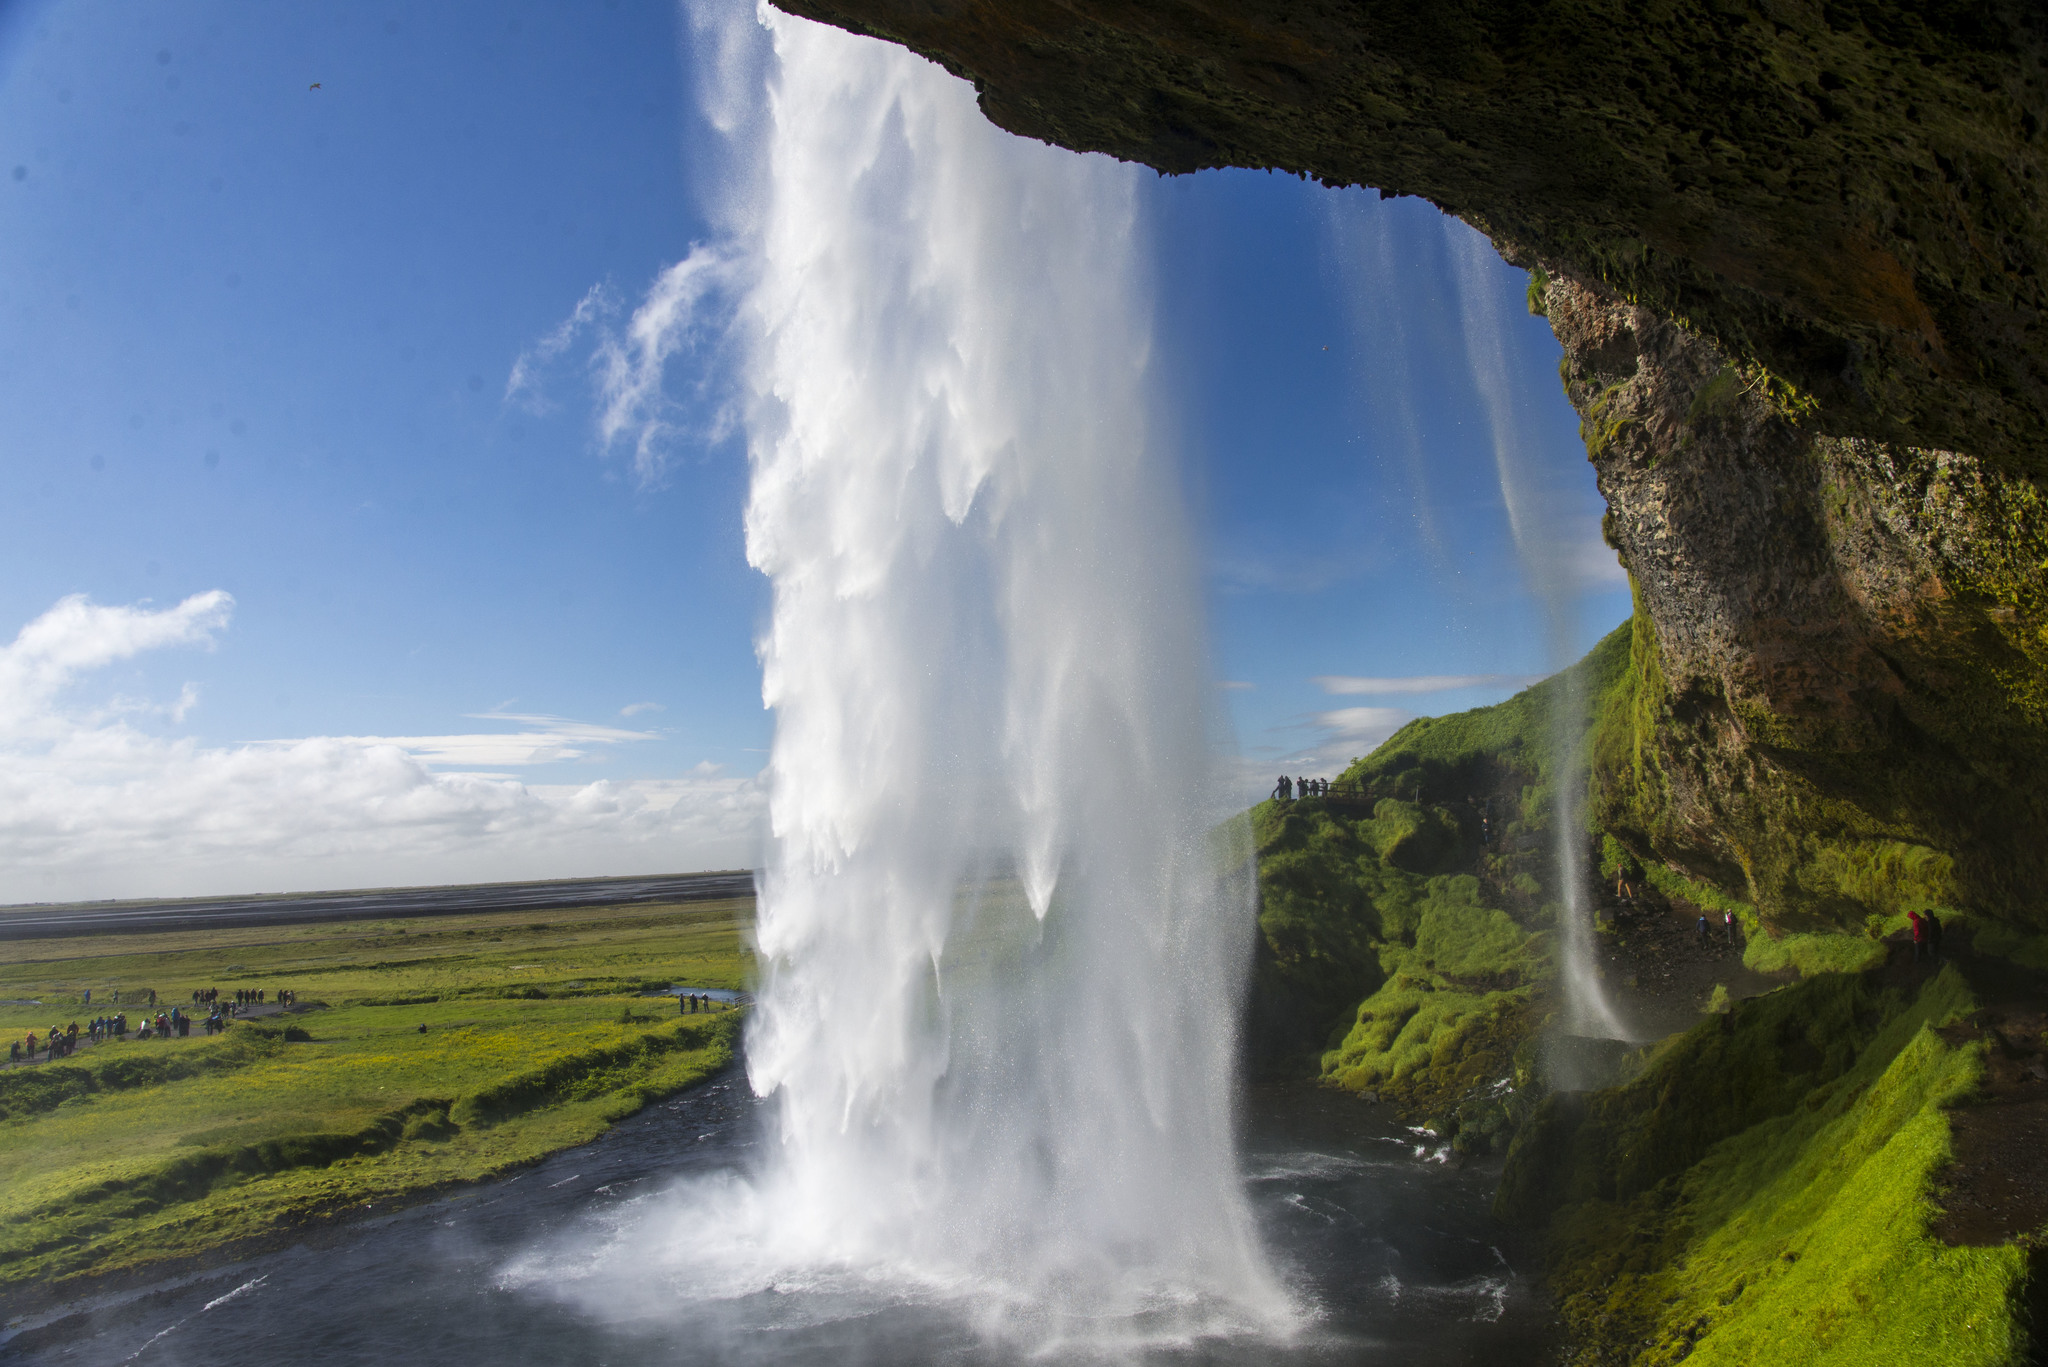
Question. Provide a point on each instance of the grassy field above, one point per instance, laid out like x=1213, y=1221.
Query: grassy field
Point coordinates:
x=536, y=1039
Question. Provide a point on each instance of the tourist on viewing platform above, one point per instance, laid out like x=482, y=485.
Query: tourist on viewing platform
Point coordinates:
x=1283, y=791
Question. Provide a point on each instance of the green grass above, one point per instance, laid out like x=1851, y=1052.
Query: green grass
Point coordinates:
x=133, y=1152
x=1805, y=953
x=1761, y=1193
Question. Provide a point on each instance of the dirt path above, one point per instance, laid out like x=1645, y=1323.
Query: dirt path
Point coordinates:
x=1659, y=972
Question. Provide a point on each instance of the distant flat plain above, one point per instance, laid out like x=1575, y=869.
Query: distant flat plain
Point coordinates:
x=536, y=1038
x=24, y=921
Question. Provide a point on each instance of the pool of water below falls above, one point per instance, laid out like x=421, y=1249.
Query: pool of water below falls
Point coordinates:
x=1385, y=1240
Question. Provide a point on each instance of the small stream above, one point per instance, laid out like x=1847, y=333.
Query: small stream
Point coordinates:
x=1387, y=1242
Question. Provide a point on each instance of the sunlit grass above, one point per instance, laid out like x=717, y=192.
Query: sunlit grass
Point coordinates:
x=1802, y=1238
x=535, y=1040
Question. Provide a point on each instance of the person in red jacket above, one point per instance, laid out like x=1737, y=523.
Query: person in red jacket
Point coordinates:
x=1919, y=935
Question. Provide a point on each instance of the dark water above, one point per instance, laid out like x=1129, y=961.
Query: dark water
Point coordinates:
x=1391, y=1249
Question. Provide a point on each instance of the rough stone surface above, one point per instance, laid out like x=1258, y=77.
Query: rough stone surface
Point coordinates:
x=1849, y=194
x=1848, y=635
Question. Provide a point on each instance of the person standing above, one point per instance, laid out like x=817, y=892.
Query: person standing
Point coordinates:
x=1919, y=935
x=1730, y=925
x=1933, y=934
x=1702, y=928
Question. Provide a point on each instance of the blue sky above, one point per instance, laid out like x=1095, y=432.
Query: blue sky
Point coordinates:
x=256, y=343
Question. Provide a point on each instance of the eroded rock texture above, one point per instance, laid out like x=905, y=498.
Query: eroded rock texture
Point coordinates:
x=1841, y=679
x=1850, y=194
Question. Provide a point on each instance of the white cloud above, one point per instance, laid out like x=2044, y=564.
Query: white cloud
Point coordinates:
x=523, y=385
x=1420, y=683
x=634, y=709
x=558, y=739
x=631, y=370
x=1361, y=723
x=78, y=635
x=685, y=309
x=90, y=806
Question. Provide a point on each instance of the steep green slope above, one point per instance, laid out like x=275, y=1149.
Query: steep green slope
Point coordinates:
x=1406, y=923
x=1762, y=1192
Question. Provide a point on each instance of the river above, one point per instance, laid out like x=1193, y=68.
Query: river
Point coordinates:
x=1386, y=1244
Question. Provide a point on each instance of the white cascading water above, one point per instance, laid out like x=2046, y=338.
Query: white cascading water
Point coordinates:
x=1546, y=561
x=1001, y=962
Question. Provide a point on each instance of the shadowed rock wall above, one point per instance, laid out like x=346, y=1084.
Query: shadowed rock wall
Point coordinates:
x=1840, y=691
x=1848, y=194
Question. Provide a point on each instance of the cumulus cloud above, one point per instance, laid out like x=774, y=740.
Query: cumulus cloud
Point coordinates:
x=93, y=806
x=78, y=635
x=1419, y=683
x=634, y=709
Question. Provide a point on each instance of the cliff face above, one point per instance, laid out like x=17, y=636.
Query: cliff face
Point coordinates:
x=1797, y=254
x=1850, y=195
x=1845, y=709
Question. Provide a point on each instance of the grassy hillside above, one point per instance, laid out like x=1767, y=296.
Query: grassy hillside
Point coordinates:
x=1763, y=1191
x=1394, y=896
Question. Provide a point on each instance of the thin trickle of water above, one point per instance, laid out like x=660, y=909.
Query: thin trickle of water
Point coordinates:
x=1548, y=562
x=1000, y=964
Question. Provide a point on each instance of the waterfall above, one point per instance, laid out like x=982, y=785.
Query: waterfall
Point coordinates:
x=1001, y=956
x=1547, y=563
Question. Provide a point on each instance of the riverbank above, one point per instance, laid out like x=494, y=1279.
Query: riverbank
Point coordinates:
x=420, y=1057
x=624, y=1251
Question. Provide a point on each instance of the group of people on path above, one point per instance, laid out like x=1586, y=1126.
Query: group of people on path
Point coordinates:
x=1706, y=929
x=61, y=1041
x=57, y=1042
x=690, y=1001
x=245, y=996
x=1287, y=789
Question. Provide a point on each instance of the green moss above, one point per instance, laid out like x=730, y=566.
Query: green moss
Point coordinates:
x=1451, y=1010
x=1823, y=952
x=1886, y=878
x=1716, y=397
x=1793, y=1228
x=1705, y=896
x=1539, y=292
x=2009, y=942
